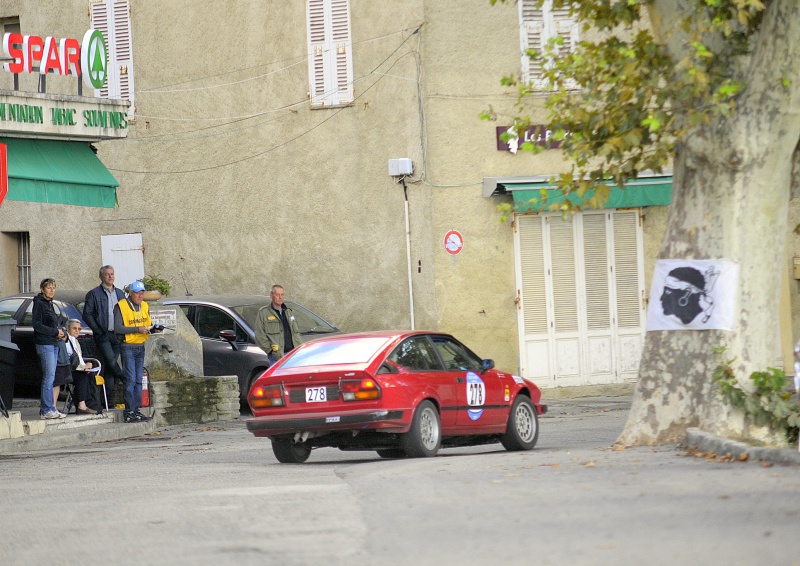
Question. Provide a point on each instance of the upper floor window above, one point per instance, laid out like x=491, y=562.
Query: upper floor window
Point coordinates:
x=538, y=24
x=330, y=58
x=113, y=19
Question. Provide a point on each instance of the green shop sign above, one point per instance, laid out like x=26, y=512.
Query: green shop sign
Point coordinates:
x=31, y=114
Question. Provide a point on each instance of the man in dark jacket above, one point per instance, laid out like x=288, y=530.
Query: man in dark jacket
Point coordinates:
x=98, y=312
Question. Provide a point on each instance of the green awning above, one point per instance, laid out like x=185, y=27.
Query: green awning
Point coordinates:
x=645, y=191
x=58, y=172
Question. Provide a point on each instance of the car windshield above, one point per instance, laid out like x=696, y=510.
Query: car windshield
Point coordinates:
x=307, y=321
x=331, y=352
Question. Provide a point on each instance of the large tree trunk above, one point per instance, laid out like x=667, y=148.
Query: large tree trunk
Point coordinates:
x=731, y=191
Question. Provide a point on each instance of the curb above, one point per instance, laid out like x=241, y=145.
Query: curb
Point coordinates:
x=707, y=442
x=70, y=438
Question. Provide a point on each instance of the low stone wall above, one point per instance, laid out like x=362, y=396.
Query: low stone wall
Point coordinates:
x=195, y=400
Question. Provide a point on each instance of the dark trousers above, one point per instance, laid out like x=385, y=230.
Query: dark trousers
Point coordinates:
x=108, y=352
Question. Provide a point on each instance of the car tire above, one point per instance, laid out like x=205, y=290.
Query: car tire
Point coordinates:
x=288, y=452
x=425, y=436
x=522, y=431
x=391, y=453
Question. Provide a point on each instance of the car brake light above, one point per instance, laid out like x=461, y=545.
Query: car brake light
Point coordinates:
x=266, y=396
x=359, y=389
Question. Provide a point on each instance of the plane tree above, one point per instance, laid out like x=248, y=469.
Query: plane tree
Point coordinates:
x=712, y=89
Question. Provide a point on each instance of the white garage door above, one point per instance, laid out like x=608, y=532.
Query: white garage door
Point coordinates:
x=581, y=288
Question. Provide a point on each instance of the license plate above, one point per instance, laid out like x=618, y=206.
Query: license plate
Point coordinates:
x=316, y=394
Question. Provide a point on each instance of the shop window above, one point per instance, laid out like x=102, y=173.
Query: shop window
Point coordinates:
x=539, y=24
x=113, y=19
x=330, y=58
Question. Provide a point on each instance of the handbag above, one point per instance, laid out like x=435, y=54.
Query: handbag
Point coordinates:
x=74, y=358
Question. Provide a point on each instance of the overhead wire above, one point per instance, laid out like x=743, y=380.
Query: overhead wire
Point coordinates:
x=308, y=131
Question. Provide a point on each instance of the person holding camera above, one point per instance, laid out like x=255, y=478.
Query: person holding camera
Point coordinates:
x=133, y=326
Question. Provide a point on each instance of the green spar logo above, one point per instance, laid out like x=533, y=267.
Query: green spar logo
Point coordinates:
x=94, y=59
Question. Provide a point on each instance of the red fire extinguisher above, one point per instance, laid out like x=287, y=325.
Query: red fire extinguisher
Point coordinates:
x=145, y=388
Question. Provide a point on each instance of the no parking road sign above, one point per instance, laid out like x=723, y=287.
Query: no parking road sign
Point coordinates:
x=453, y=242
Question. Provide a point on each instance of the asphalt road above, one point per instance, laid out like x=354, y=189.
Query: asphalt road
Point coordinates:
x=216, y=495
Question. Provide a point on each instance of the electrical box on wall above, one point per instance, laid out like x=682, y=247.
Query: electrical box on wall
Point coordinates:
x=402, y=166
x=796, y=271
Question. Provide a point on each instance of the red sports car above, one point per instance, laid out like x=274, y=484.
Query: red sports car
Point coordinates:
x=402, y=394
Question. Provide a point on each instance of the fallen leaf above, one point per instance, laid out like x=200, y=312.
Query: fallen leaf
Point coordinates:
x=590, y=464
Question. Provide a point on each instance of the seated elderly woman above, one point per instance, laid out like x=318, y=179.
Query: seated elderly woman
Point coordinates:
x=81, y=372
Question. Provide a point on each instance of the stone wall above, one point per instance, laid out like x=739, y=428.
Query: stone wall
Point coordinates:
x=195, y=400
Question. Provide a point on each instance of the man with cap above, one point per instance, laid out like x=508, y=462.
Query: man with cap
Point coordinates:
x=133, y=325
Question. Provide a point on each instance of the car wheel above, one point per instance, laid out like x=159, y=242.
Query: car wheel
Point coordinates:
x=425, y=436
x=391, y=453
x=288, y=452
x=522, y=431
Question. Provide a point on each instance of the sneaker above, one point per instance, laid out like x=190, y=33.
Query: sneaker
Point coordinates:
x=130, y=417
x=61, y=415
x=51, y=415
x=141, y=417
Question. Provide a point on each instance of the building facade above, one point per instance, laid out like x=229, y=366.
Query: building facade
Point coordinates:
x=255, y=150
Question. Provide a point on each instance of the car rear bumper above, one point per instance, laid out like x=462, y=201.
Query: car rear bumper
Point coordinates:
x=386, y=419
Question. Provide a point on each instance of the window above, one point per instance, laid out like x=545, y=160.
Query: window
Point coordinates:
x=537, y=26
x=455, y=356
x=415, y=354
x=112, y=18
x=24, y=261
x=9, y=307
x=330, y=58
x=211, y=321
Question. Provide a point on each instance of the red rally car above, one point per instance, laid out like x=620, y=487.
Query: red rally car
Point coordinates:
x=402, y=394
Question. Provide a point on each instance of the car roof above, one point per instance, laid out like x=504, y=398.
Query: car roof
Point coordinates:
x=224, y=300
x=63, y=295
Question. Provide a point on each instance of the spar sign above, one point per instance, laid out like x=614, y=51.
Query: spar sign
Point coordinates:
x=34, y=54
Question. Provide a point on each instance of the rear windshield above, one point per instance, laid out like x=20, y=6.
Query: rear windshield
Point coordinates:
x=331, y=352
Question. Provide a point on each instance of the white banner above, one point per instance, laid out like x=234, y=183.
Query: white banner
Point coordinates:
x=693, y=295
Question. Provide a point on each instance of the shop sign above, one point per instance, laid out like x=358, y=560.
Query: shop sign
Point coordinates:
x=34, y=54
x=537, y=135
x=50, y=115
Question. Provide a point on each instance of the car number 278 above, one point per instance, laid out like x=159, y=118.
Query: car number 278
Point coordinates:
x=316, y=394
x=476, y=392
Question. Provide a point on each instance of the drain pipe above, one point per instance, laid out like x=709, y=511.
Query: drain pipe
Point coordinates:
x=408, y=256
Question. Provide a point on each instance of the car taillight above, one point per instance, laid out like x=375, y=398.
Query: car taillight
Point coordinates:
x=266, y=396
x=359, y=389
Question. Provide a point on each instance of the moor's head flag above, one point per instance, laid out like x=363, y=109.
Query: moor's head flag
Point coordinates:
x=691, y=294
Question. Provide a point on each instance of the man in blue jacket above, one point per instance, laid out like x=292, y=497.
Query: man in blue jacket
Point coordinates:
x=98, y=312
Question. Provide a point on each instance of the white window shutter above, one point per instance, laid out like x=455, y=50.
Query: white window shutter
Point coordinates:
x=330, y=60
x=112, y=18
x=98, y=12
x=123, y=52
x=537, y=26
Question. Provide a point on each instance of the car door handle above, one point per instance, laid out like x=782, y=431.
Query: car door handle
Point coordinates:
x=459, y=380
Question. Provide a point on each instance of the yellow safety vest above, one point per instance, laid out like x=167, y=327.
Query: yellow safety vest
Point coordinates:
x=132, y=318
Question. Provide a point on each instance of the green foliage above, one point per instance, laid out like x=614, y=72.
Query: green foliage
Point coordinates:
x=157, y=283
x=624, y=100
x=769, y=404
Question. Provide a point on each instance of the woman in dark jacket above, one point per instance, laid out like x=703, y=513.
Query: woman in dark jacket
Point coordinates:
x=46, y=334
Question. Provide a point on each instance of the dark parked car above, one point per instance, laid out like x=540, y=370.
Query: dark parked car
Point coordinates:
x=235, y=352
x=27, y=372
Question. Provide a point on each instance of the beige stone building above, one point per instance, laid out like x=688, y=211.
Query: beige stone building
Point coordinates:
x=255, y=150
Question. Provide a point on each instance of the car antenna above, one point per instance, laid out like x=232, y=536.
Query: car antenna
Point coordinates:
x=188, y=294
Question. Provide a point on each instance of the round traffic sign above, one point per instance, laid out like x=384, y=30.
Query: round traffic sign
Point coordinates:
x=453, y=242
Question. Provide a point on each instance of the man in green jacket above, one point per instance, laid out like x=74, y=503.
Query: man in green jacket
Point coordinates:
x=276, y=328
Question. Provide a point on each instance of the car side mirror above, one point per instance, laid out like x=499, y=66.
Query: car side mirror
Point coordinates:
x=230, y=336
x=488, y=364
